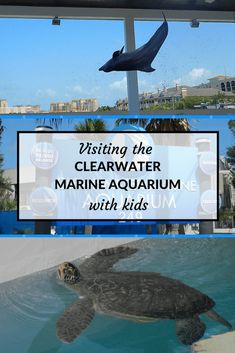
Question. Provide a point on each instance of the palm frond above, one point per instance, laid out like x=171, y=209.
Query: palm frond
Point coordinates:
x=91, y=125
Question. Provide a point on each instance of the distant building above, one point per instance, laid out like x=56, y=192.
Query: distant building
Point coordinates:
x=25, y=109
x=84, y=105
x=75, y=106
x=223, y=83
x=3, y=103
x=18, y=109
x=60, y=107
x=171, y=95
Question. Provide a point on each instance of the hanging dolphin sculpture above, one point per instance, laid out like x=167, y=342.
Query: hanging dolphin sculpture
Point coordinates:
x=141, y=58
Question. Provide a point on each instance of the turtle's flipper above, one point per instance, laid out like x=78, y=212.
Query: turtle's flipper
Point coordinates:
x=120, y=251
x=103, y=260
x=212, y=314
x=190, y=330
x=74, y=320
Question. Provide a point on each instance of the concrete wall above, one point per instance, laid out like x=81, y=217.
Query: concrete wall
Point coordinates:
x=216, y=344
x=20, y=257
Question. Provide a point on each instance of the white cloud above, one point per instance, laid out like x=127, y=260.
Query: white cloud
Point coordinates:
x=197, y=73
x=193, y=77
x=73, y=91
x=119, y=85
x=145, y=86
x=50, y=92
x=47, y=92
x=177, y=81
x=77, y=89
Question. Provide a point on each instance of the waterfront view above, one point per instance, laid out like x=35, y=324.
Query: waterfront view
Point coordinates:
x=217, y=93
x=191, y=73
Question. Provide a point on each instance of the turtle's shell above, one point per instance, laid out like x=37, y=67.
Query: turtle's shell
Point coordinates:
x=145, y=294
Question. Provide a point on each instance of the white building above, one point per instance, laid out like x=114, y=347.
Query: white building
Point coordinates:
x=172, y=95
x=223, y=83
x=75, y=106
x=18, y=109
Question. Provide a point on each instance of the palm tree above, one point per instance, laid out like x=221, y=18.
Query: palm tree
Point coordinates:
x=91, y=125
x=5, y=186
x=137, y=121
x=105, y=108
x=179, y=124
x=53, y=122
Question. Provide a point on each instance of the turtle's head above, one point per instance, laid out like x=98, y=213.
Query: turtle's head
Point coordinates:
x=68, y=273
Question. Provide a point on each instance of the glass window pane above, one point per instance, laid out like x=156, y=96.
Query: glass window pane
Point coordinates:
x=192, y=70
x=56, y=68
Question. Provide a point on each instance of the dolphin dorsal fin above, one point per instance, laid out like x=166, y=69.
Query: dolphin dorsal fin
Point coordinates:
x=118, y=52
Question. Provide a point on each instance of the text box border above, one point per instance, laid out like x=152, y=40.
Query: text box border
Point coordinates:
x=118, y=220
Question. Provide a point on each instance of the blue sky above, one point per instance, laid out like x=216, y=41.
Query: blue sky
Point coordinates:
x=41, y=63
x=8, y=147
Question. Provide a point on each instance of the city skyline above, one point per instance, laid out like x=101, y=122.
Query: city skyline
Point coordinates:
x=75, y=105
x=211, y=87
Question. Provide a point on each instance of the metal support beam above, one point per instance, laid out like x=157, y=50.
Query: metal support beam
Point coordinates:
x=113, y=13
x=132, y=77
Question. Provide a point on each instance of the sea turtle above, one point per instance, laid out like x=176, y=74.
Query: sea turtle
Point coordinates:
x=138, y=296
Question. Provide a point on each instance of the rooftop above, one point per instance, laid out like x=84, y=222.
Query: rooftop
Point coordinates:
x=220, y=77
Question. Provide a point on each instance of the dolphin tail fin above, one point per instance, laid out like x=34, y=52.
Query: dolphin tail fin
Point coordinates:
x=147, y=69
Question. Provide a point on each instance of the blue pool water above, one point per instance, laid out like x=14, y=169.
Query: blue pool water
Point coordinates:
x=30, y=306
